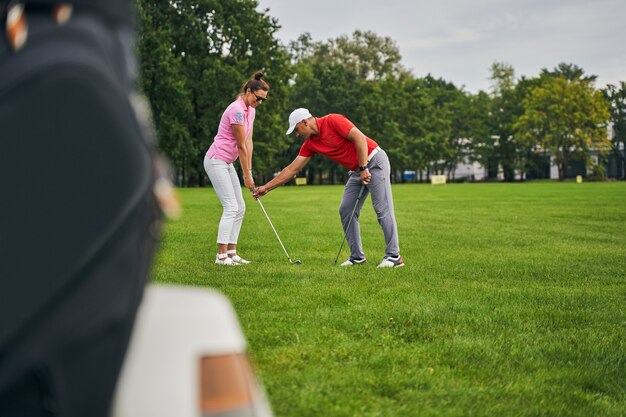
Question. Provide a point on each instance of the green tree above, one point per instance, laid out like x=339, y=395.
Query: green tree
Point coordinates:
x=443, y=133
x=162, y=81
x=506, y=108
x=214, y=51
x=469, y=126
x=367, y=55
x=419, y=121
x=395, y=117
x=570, y=72
x=422, y=123
x=387, y=118
x=477, y=118
x=566, y=118
x=616, y=96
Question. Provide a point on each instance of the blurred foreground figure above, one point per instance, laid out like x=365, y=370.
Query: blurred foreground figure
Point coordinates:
x=188, y=358
x=78, y=219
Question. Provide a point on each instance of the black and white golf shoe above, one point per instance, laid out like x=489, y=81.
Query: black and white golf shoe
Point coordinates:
x=352, y=262
x=390, y=262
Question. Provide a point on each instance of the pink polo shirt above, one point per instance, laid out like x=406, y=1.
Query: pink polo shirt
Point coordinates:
x=224, y=145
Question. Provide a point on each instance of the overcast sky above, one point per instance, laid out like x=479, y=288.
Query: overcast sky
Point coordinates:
x=458, y=40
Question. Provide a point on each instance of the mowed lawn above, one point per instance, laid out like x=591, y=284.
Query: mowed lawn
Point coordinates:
x=512, y=303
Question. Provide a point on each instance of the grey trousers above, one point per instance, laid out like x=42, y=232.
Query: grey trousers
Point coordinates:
x=382, y=200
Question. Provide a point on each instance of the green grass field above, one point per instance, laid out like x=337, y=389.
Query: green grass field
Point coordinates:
x=512, y=303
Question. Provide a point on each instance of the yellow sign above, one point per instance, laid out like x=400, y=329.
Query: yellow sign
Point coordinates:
x=300, y=180
x=437, y=179
x=579, y=179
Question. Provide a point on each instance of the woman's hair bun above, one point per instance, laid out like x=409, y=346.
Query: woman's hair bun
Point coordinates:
x=255, y=83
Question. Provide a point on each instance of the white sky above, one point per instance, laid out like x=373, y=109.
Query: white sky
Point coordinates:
x=458, y=40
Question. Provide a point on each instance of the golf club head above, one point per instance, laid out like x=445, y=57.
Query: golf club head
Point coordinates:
x=296, y=262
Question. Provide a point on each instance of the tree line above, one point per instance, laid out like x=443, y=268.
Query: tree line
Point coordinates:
x=195, y=55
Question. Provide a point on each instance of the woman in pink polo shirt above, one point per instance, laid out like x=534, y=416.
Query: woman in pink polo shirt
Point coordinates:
x=234, y=140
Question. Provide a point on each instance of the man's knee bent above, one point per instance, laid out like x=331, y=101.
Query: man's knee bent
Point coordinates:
x=345, y=211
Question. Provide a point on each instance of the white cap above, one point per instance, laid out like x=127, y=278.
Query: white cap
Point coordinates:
x=296, y=117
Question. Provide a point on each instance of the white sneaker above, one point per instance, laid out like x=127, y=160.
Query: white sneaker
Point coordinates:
x=240, y=260
x=389, y=262
x=225, y=261
x=352, y=262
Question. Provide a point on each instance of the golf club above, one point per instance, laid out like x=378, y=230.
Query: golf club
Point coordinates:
x=295, y=262
x=350, y=222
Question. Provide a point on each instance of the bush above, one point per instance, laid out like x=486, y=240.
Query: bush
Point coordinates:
x=598, y=173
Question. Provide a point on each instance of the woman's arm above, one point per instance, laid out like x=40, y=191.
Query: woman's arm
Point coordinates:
x=245, y=155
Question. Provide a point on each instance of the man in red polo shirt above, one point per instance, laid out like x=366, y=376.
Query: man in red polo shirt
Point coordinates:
x=337, y=138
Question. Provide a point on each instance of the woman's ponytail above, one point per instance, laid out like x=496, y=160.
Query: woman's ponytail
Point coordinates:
x=255, y=83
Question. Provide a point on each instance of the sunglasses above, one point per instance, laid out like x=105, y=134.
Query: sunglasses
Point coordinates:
x=258, y=99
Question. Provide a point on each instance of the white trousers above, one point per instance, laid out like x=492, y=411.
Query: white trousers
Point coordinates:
x=228, y=189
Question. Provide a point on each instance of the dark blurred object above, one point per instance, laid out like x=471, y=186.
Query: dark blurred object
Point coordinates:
x=119, y=12
x=78, y=217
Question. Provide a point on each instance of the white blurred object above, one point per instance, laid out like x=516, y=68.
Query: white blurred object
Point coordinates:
x=187, y=358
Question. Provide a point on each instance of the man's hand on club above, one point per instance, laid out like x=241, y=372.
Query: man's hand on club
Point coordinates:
x=259, y=192
x=366, y=176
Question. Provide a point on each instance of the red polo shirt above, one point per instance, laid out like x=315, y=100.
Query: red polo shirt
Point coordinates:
x=332, y=142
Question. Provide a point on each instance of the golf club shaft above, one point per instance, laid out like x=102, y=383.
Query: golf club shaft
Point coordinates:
x=273, y=228
x=345, y=235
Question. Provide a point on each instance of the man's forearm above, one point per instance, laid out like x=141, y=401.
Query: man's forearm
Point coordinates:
x=361, y=151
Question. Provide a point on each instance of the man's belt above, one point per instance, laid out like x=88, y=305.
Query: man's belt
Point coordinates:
x=373, y=153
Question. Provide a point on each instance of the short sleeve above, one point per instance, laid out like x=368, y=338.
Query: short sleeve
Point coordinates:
x=235, y=116
x=340, y=124
x=306, y=150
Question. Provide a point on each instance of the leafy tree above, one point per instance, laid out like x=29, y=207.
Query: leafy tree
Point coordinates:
x=616, y=96
x=468, y=125
x=367, y=55
x=478, y=117
x=162, y=81
x=441, y=131
x=386, y=116
x=214, y=51
x=506, y=108
x=570, y=72
x=392, y=112
x=418, y=121
x=565, y=117
x=502, y=78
